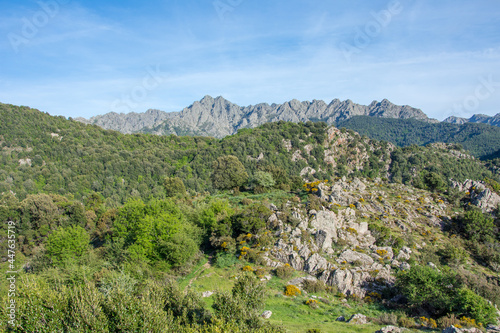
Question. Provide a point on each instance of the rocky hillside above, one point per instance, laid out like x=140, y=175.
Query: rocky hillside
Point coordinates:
x=219, y=117
x=128, y=123
x=359, y=233
x=477, y=118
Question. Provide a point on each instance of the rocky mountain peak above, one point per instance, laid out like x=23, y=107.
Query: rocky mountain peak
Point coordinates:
x=219, y=117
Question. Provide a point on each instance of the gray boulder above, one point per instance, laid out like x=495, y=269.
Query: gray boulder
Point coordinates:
x=350, y=257
x=390, y=329
x=358, y=319
x=404, y=254
x=266, y=314
x=452, y=329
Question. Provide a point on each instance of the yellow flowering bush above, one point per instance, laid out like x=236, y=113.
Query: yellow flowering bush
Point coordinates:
x=292, y=290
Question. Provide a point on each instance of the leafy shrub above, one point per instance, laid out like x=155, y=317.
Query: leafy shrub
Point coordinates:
x=228, y=173
x=225, y=259
x=476, y=307
x=428, y=288
x=314, y=286
x=407, y=322
x=388, y=319
x=442, y=293
x=448, y=320
x=314, y=202
x=313, y=304
x=454, y=254
x=264, y=179
x=284, y=272
x=480, y=284
x=252, y=219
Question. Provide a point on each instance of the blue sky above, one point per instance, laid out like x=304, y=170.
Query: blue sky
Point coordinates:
x=83, y=58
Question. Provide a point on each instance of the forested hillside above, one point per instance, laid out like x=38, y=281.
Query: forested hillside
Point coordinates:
x=480, y=140
x=41, y=153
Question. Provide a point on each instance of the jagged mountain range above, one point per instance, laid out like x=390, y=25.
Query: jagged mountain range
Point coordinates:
x=219, y=117
x=477, y=118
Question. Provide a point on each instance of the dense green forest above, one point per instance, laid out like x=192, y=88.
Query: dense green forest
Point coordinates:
x=113, y=230
x=480, y=140
x=41, y=153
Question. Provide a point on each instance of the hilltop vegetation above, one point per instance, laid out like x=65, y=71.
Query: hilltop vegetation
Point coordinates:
x=122, y=233
x=48, y=154
x=480, y=140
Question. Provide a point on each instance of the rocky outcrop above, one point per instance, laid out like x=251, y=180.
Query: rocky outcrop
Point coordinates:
x=479, y=195
x=326, y=223
x=352, y=257
x=130, y=122
x=390, y=329
x=453, y=329
x=358, y=319
x=487, y=200
x=218, y=117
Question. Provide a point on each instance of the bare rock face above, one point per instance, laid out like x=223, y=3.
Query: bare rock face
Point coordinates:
x=480, y=195
x=350, y=282
x=128, y=123
x=316, y=263
x=326, y=223
x=477, y=118
x=487, y=200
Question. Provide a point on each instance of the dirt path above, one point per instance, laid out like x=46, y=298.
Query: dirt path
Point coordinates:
x=206, y=266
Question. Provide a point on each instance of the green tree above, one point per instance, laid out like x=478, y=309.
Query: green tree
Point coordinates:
x=243, y=304
x=174, y=186
x=428, y=288
x=67, y=244
x=228, y=173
